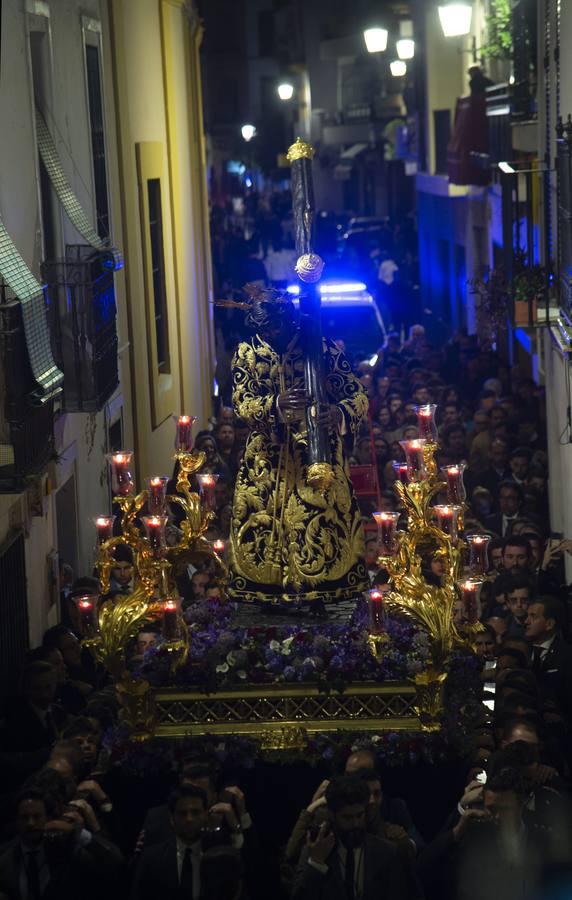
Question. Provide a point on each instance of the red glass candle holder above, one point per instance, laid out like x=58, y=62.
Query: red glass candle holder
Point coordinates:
x=155, y=531
x=448, y=520
x=426, y=422
x=122, y=481
x=478, y=553
x=386, y=532
x=376, y=611
x=184, y=433
x=104, y=528
x=170, y=619
x=219, y=546
x=456, y=492
x=157, y=494
x=400, y=469
x=414, y=458
x=470, y=590
x=86, y=614
x=207, y=483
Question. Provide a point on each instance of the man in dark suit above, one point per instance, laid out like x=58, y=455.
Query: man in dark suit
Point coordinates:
x=171, y=870
x=551, y=655
x=343, y=862
x=54, y=857
x=510, y=501
x=32, y=721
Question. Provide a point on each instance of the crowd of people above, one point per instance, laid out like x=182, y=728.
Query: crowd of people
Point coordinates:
x=72, y=830
x=511, y=829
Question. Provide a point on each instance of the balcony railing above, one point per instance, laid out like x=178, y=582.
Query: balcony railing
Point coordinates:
x=82, y=317
x=524, y=58
x=564, y=214
x=499, y=123
x=26, y=426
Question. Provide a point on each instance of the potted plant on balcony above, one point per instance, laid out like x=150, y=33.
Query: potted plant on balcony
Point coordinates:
x=529, y=287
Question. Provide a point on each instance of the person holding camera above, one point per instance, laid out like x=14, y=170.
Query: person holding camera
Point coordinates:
x=57, y=853
x=342, y=861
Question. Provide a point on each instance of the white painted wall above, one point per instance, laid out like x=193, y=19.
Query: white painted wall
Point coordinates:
x=81, y=439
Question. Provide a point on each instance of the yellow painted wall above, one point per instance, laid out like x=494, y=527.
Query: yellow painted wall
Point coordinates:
x=157, y=102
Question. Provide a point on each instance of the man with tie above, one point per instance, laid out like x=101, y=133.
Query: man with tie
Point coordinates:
x=551, y=655
x=54, y=857
x=33, y=720
x=171, y=870
x=342, y=861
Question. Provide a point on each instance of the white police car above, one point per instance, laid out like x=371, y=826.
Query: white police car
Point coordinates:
x=349, y=312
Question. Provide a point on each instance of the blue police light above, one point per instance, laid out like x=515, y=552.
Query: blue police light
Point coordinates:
x=343, y=287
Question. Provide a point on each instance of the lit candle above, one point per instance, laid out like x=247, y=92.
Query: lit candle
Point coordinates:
x=376, y=611
x=207, y=484
x=456, y=492
x=448, y=519
x=170, y=622
x=470, y=592
x=104, y=528
x=218, y=546
x=155, y=530
x=386, y=532
x=400, y=469
x=86, y=612
x=157, y=494
x=414, y=458
x=426, y=422
x=184, y=433
x=478, y=553
x=122, y=482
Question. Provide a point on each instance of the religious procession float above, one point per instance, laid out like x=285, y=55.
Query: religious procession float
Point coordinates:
x=299, y=649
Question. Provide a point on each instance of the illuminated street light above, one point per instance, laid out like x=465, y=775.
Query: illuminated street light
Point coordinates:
x=375, y=39
x=398, y=68
x=405, y=48
x=248, y=131
x=285, y=90
x=455, y=19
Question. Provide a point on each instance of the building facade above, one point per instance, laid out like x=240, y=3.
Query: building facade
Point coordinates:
x=103, y=202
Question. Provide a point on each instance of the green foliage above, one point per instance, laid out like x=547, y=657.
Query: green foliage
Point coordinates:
x=499, y=25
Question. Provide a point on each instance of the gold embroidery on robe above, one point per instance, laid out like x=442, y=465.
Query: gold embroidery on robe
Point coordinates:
x=287, y=539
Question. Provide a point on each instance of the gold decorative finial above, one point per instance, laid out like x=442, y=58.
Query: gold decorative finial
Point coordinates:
x=300, y=150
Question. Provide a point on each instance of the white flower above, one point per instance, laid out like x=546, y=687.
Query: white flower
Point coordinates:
x=275, y=645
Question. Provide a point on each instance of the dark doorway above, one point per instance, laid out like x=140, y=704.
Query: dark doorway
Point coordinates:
x=66, y=516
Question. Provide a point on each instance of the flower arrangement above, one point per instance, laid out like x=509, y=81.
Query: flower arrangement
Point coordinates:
x=224, y=655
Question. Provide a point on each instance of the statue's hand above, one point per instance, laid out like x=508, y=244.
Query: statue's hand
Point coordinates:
x=292, y=404
x=331, y=417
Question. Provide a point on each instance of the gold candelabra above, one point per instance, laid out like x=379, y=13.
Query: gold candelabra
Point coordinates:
x=109, y=627
x=447, y=611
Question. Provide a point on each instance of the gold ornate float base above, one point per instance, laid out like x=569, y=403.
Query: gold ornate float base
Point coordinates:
x=284, y=717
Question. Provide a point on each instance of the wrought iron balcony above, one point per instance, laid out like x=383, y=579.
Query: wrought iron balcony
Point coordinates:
x=80, y=296
x=499, y=123
x=524, y=58
x=26, y=425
